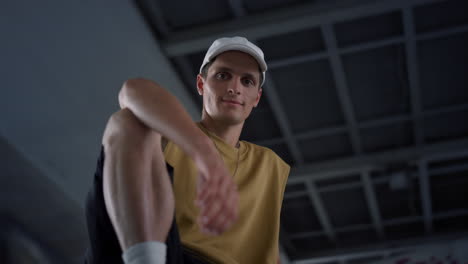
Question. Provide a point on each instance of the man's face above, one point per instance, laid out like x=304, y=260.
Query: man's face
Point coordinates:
x=231, y=88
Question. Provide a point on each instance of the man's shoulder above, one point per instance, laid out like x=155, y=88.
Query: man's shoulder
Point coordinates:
x=266, y=152
x=258, y=149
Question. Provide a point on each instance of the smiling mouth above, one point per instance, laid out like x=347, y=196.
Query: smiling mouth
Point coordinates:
x=231, y=102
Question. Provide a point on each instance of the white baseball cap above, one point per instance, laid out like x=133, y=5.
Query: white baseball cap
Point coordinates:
x=236, y=43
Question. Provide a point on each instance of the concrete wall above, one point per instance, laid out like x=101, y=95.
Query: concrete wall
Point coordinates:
x=62, y=64
x=37, y=219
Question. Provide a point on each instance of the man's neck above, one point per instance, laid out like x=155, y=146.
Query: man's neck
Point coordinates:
x=228, y=133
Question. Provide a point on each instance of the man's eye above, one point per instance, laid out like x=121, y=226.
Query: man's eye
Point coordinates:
x=221, y=76
x=249, y=82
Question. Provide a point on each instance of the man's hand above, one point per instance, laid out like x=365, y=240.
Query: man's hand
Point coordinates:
x=217, y=196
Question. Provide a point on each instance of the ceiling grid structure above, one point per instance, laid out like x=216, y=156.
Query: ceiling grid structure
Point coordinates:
x=413, y=74
x=342, y=87
x=285, y=245
x=372, y=203
x=320, y=210
x=425, y=195
x=354, y=101
x=283, y=122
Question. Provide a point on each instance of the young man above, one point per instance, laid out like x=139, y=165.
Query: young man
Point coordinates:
x=224, y=203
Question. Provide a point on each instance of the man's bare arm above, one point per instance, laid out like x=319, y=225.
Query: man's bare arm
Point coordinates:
x=161, y=111
x=154, y=107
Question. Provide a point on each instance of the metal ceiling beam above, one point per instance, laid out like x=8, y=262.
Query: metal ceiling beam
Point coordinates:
x=448, y=170
x=320, y=210
x=372, y=45
x=282, y=120
x=341, y=186
x=278, y=63
x=385, y=121
x=437, y=216
x=350, y=228
x=442, y=33
x=392, y=222
x=351, y=256
x=372, y=203
x=356, y=184
x=280, y=22
x=381, y=249
x=450, y=214
x=322, y=132
x=426, y=199
x=383, y=180
x=446, y=110
x=354, y=165
x=446, y=156
x=366, y=124
x=285, y=242
x=342, y=87
x=413, y=74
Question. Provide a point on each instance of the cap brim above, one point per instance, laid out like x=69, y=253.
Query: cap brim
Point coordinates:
x=243, y=48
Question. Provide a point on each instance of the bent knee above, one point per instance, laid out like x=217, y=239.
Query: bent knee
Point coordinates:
x=124, y=127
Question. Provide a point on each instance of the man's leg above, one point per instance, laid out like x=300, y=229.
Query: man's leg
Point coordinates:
x=137, y=190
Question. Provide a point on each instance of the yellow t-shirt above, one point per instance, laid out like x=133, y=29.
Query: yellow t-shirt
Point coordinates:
x=261, y=178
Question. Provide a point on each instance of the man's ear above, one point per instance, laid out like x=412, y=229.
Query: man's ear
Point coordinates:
x=259, y=95
x=200, y=83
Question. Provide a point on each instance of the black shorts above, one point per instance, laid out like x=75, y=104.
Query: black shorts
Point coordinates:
x=104, y=246
x=176, y=252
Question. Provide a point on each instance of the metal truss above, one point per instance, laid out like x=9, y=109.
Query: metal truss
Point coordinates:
x=422, y=173
x=178, y=44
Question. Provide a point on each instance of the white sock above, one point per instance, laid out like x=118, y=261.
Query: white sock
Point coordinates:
x=151, y=252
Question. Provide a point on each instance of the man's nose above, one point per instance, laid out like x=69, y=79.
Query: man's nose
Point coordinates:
x=235, y=86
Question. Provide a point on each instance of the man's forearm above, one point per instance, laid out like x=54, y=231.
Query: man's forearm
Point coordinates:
x=161, y=111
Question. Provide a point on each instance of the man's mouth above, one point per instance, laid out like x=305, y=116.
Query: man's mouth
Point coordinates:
x=230, y=101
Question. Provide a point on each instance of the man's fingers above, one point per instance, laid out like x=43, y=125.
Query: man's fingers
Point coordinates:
x=226, y=221
x=220, y=211
x=204, y=192
x=217, y=199
x=210, y=211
